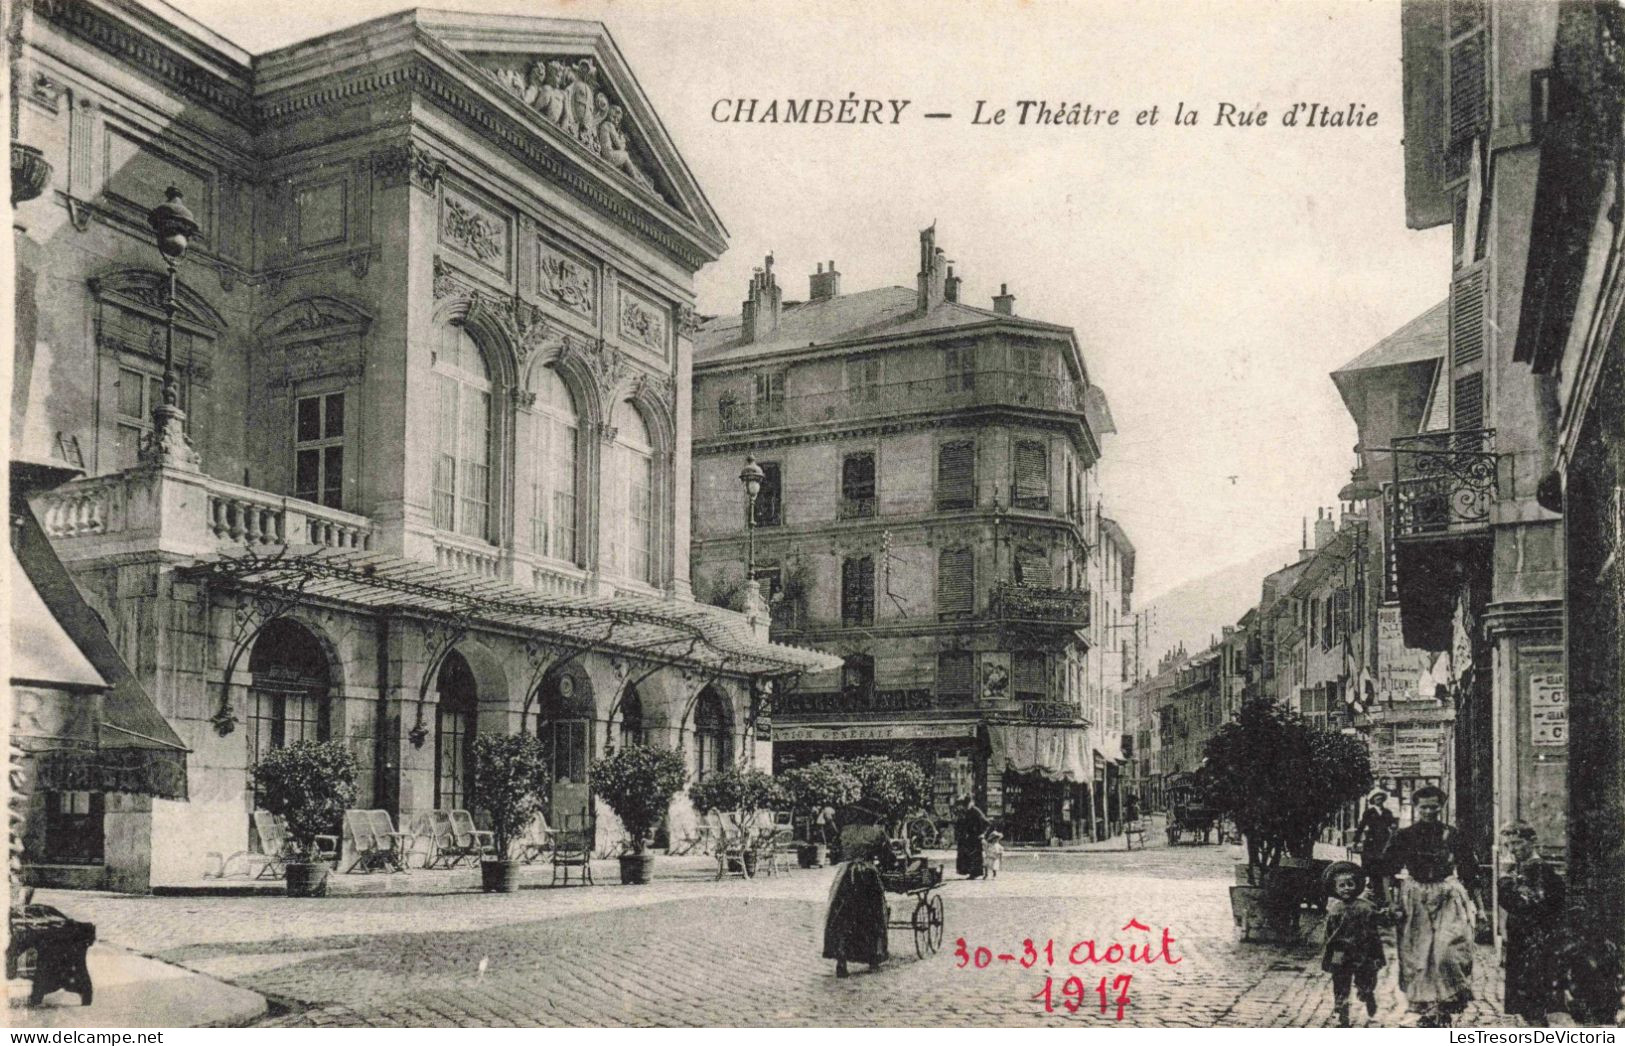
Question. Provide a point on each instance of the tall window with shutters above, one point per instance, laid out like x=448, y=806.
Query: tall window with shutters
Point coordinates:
x=956, y=475
x=462, y=464
x=956, y=591
x=767, y=399
x=640, y=560
x=858, y=486
x=959, y=369
x=863, y=378
x=139, y=391
x=858, y=590
x=1030, y=485
x=956, y=677
x=1030, y=377
x=1029, y=675
x=1467, y=336
x=318, y=449
x=1466, y=48
x=556, y=468
x=770, y=499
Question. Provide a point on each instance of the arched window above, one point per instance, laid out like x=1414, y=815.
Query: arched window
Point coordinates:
x=711, y=740
x=288, y=700
x=462, y=463
x=631, y=718
x=566, y=729
x=639, y=560
x=553, y=509
x=455, y=725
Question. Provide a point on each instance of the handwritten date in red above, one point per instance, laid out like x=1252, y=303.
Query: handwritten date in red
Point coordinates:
x=1074, y=993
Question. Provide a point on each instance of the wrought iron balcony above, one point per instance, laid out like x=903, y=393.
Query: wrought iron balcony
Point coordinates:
x=1444, y=483
x=949, y=392
x=1023, y=603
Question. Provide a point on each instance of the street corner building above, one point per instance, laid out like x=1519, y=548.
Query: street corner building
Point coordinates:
x=396, y=453
x=929, y=513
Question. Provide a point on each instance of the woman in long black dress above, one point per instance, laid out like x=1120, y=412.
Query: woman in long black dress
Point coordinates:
x=855, y=926
x=1532, y=894
x=969, y=828
x=1435, y=912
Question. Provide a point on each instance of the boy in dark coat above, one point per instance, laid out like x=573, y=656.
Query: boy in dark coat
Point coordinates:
x=1353, y=950
x=855, y=926
x=1532, y=894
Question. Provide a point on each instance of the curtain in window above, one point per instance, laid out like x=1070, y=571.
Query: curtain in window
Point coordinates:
x=553, y=506
x=462, y=472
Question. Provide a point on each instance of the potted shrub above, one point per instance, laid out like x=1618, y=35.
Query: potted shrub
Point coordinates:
x=897, y=787
x=510, y=772
x=826, y=784
x=740, y=794
x=1278, y=780
x=638, y=783
x=309, y=784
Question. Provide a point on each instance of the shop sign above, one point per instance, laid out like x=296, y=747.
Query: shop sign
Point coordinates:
x=1548, y=710
x=874, y=732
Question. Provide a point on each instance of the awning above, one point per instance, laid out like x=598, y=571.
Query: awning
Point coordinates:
x=42, y=654
x=128, y=746
x=645, y=627
x=1056, y=753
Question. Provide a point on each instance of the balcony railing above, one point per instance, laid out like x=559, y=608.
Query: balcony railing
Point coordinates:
x=188, y=513
x=1444, y=483
x=950, y=392
x=1065, y=607
x=857, y=508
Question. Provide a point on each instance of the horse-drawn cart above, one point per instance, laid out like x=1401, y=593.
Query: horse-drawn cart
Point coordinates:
x=1187, y=817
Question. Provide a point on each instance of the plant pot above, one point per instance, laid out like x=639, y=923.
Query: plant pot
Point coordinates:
x=1264, y=914
x=499, y=876
x=636, y=869
x=306, y=879
x=810, y=855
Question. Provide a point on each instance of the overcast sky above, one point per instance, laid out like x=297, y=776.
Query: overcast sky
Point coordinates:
x=1214, y=275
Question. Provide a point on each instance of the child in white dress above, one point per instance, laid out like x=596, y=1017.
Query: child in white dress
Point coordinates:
x=993, y=854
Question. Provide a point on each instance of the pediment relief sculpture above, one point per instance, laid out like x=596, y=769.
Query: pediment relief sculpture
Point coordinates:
x=569, y=95
x=313, y=317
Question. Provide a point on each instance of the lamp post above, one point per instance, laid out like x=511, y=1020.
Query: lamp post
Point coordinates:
x=172, y=226
x=751, y=476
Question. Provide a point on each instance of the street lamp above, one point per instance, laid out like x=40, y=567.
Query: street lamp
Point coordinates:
x=172, y=226
x=751, y=476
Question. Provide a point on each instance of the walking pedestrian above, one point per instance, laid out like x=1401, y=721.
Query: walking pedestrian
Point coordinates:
x=969, y=827
x=1435, y=912
x=1532, y=894
x=855, y=925
x=993, y=854
x=1373, y=837
x=1353, y=950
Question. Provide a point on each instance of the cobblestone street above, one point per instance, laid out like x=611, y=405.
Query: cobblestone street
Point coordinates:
x=690, y=951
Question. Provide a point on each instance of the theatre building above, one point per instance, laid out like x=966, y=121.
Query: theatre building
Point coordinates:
x=420, y=469
x=926, y=515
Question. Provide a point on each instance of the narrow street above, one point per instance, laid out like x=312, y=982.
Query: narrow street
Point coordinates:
x=688, y=950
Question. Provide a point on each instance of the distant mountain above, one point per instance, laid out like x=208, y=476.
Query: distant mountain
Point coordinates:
x=1196, y=611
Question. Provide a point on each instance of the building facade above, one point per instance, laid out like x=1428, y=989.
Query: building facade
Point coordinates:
x=926, y=515
x=420, y=469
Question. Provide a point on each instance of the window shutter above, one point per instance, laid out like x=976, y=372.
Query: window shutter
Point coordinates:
x=955, y=675
x=955, y=591
x=1469, y=403
x=858, y=591
x=1466, y=73
x=1467, y=318
x=1032, y=476
x=1032, y=568
x=956, y=477
x=1031, y=675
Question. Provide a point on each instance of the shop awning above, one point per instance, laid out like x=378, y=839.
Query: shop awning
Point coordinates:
x=1054, y=752
x=126, y=745
x=645, y=627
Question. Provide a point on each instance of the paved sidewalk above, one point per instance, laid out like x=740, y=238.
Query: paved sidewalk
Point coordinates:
x=133, y=991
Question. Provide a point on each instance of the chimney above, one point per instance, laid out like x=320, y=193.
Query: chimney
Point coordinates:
x=1305, y=550
x=824, y=285
x=950, y=286
x=1004, y=303
x=760, y=316
x=1325, y=528
x=933, y=273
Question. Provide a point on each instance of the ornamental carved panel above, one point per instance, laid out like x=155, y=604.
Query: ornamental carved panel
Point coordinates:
x=567, y=280
x=644, y=324
x=476, y=231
